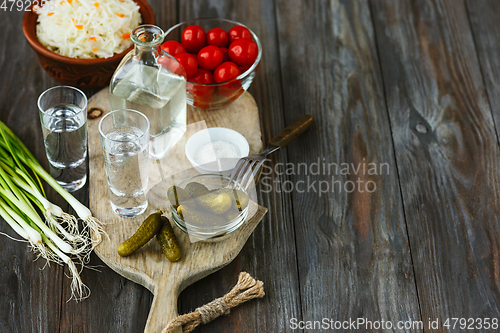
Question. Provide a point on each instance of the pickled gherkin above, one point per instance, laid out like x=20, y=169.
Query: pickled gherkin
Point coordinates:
x=217, y=203
x=167, y=240
x=232, y=213
x=179, y=212
x=239, y=197
x=176, y=195
x=146, y=231
x=200, y=206
x=195, y=217
x=196, y=190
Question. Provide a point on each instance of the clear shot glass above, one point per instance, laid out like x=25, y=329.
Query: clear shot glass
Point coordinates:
x=125, y=140
x=63, y=115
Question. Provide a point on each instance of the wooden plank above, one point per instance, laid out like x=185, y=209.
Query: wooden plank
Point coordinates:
x=269, y=254
x=447, y=154
x=352, y=246
x=483, y=16
x=29, y=295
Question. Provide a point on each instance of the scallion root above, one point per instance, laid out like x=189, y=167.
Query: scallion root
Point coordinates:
x=71, y=221
x=97, y=230
x=79, y=291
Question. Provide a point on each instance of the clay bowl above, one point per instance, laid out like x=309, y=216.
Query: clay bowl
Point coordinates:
x=82, y=73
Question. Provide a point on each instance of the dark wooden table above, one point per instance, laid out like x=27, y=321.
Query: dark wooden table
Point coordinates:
x=412, y=86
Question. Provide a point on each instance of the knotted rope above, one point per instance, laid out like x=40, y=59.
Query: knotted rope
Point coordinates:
x=246, y=289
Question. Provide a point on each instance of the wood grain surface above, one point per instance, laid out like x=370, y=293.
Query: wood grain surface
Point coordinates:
x=447, y=154
x=410, y=83
x=486, y=35
x=346, y=238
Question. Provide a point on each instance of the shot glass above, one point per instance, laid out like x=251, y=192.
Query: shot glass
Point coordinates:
x=125, y=140
x=63, y=114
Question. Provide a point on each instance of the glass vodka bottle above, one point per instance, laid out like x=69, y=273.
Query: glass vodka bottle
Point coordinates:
x=151, y=81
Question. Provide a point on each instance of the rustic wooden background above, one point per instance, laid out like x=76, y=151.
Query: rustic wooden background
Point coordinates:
x=410, y=83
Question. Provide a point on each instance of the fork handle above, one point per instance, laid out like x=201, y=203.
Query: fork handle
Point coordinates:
x=291, y=132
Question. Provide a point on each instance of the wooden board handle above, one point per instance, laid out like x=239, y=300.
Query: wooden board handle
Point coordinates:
x=291, y=132
x=164, y=307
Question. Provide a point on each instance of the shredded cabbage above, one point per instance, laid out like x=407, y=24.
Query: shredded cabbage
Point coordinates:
x=87, y=29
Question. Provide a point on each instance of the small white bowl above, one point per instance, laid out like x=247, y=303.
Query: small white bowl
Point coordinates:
x=213, y=134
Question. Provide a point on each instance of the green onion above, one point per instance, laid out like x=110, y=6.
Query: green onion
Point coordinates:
x=57, y=236
x=19, y=225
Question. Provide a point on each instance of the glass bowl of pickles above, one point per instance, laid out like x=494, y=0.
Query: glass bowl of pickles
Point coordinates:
x=204, y=206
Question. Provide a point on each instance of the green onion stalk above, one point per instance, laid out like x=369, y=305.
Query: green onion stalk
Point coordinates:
x=57, y=236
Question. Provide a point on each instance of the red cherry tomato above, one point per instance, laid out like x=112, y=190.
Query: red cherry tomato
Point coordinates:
x=173, y=47
x=243, y=69
x=204, y=102
x=193, y=38
x=226, y=71
x=210, y=57
x=233, y=90
x=217, y=37
x=239, y=32
x=237, y=94
x=172, y=65
x=243, y=52
x=188, y=61
x=202, y=95
x=202, y=76
x=224, y=50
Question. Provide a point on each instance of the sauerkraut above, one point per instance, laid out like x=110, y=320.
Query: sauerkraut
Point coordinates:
x=86, y=29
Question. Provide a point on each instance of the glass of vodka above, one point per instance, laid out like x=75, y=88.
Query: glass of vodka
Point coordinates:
x=64, y=125
x=152, y=82
x=125, y=141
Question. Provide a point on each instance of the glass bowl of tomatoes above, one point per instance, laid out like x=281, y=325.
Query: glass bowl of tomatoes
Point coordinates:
x=220, y=58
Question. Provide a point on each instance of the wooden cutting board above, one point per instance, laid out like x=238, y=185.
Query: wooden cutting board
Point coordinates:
x=148, y=266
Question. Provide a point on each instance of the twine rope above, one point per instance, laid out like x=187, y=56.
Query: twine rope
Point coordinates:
x=246, y=288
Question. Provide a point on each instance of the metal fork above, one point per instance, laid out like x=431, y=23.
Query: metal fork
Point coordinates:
x=247, y=168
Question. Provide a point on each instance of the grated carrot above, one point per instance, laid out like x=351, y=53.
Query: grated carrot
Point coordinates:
x=78, y=26
x=69, y=1
x=93, y=38
x=120, y=15
x=50, y=14
x=95, y=49
x=96, y=4
x=126, y=35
